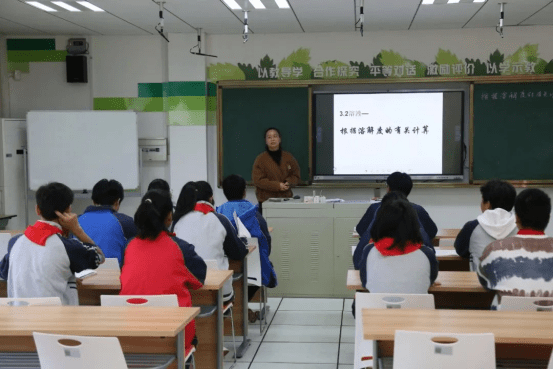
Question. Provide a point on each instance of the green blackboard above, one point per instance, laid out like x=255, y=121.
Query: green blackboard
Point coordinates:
x=513, y=131
x=248, y=112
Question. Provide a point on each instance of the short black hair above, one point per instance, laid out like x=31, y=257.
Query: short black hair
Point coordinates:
x=107, y=192
x=398, y=181
x=159, y=184
x=205, y=192
x=499, y=194
x=53, y=197
x=397, y=219
x=533, y=208
x=234, y=187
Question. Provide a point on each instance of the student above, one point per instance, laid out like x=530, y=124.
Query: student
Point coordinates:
x=157, y=262
x=159, y=184
x=108, y=228
x=400, y=182
x=42, y=262
x=397, y=261
x=234, y=188
x=495, y=223
x=521, y=265
x=197, y=222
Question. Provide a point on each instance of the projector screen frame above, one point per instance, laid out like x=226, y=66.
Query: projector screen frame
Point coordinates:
x=398, y=87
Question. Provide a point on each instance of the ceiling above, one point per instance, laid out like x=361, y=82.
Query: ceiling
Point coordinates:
x=138, y=17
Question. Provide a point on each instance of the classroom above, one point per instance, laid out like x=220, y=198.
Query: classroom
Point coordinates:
x=206, y=80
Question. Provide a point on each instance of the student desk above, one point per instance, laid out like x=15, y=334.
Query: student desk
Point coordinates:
x=240, y=309
x=452, y=262
x=13, y=232
x=142, y=330
x=445, y=233
x=452, y=290
x=518, y=335
x=209, y=330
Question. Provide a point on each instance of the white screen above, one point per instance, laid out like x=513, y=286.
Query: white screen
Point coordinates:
x=382, y=152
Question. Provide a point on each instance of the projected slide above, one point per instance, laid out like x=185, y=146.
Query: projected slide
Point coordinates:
x=384, y=133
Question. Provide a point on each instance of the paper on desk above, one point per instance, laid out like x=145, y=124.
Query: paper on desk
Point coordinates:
x=85, y=273
x=445, y=252
x=353, y=250
x=334, y=200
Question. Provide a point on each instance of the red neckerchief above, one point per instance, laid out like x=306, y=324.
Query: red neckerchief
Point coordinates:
x=204, y=208
x=40, y=231
x=383, y=246
x=530, y=232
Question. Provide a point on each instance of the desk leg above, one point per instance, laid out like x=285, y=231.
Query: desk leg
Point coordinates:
x=245, y=342
x=220, y=329
x=375, y=355
x=180, y=350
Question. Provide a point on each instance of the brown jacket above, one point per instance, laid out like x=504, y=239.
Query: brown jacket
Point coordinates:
x=267, y=175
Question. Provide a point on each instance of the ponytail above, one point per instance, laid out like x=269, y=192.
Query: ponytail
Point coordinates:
x=150, y=216
x=186, y=202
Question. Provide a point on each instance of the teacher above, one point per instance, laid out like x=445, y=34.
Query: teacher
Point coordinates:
x=274, y=171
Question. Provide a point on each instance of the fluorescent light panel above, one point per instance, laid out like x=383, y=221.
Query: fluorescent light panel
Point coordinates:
x=257, y=4
x=90, y=6
x=36, y=4
x=453, y=1
x=479, y=1
x=283, y=4
x=61, y=4
x=232, y=4
x=427, y=2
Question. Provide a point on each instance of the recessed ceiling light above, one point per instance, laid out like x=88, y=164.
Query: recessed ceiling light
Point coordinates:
x=61, y=4
x=283, y=4
x=479, y=1
x=36, y=4
x=90, y=6
x=232, y=4
x=257, y=4
x=453, y=1
x=427, y=2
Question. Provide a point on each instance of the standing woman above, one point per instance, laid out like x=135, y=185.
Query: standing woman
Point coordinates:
x=274, y=171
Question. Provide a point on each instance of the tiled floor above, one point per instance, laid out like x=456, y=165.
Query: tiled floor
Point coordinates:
x=301, y=333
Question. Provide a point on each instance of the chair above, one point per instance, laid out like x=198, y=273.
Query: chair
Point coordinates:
x=512, y=303
x=4, y=239
x=145, y=300
x=364, y=348
x=110, y=263
x=52, y=301
x=414, y=350
x=550, y=366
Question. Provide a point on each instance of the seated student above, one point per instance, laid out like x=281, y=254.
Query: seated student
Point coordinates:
x=495, y=223
x=366, y=237
x=234, y=188
x=215, y=238
x=108, y=228
x=401, y=182
x=42, y=262
x=521, y=265
x=159, y=184
x=157, y=262
x=397, y=261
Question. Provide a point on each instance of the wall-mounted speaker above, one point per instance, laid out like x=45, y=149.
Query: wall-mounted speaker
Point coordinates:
x=77, y=68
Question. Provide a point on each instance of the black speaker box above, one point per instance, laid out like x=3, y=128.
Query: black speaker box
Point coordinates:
x=77, y=68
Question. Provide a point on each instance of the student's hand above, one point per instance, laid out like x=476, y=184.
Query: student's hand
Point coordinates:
x=69, y=222
x=284, y=187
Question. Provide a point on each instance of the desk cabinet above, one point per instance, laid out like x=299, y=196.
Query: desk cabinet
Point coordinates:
x=311, y=247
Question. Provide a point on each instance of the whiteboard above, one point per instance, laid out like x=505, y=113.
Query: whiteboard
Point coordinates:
x=79, y=148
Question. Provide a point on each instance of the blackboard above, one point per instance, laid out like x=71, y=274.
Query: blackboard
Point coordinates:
x=248, y=112
x=513, y=131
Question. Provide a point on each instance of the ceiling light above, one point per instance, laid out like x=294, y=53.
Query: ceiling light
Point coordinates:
x=61, y=4
x=479, y=1
x=283, y=4
x=36, y=4
x=453, y=1
x=90, y=6
x=232, y=4
x=427, y=2
x=257, y=4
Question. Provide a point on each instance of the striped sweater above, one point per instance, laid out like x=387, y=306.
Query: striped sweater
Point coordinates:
x=518, y=266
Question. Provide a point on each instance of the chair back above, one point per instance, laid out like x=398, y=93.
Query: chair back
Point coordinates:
x=211, y=264
x=550, y=366
x=4, y=239
x=77, y=352
x=363, y=300
x=110, y=263
x=24, y=301
x=414, y=350
x=139, y=300
x=511, y=303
